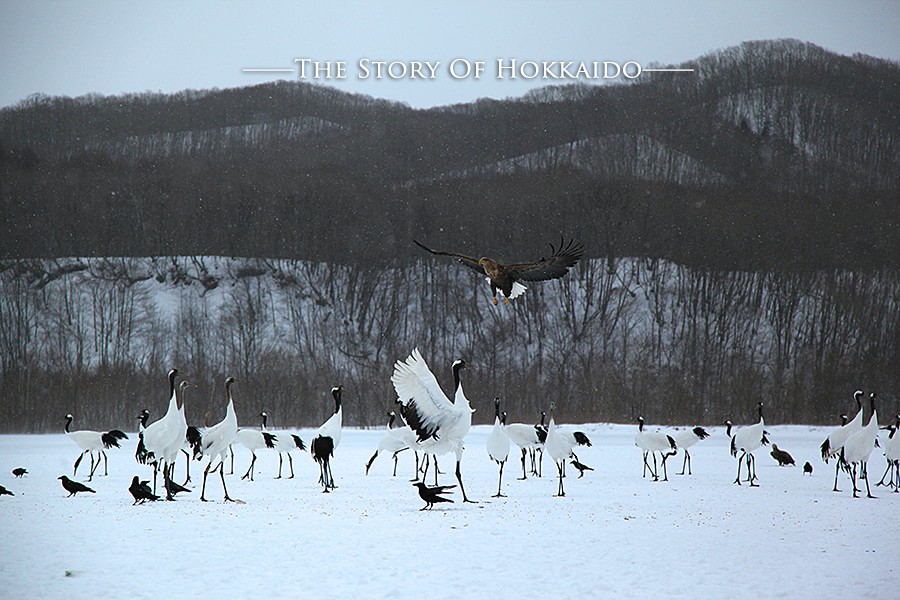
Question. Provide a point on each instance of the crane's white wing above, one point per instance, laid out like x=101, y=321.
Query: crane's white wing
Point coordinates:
x=426, y=408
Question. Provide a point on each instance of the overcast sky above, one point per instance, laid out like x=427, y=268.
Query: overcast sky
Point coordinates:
x=110, y=47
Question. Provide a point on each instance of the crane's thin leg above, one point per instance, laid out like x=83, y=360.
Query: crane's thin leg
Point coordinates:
x=436, y=469
x=291, y=465
x=886, y=471
x=655, y=469
x=105, y=464
x=458, y=478
x=737, y=479
x=280, y=461
x=837, y=468
x=77, y=462
x=561, y=491
x=865, y=473
x=249, y=472
x=500, y=482
x=222, y=475
x=395, y=465
x=524, y=452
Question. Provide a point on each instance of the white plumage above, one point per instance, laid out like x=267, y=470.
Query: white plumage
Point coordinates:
x=91, y=442
x=685, y=439
x=253, y=440
x=892, y=456
x=154, y=439
x=832, y=445
x=560, y=450
x=498, y=444
x=440, y=425
x=857, y=449
x=526, y=438
x=746, y=440
x=394, y=440
x=652, y=443
x=326, y=440
x=285, y=443
x=217, y=439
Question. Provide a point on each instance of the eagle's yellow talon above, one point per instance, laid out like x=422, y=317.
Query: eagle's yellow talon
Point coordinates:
x=495, y=301
x=505, y=301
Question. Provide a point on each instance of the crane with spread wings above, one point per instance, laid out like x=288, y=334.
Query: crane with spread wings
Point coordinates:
x=506, y=278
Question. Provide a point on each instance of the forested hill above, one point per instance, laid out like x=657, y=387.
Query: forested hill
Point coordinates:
x=772, y=154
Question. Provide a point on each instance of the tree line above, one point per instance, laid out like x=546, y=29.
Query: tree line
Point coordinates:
x=611, y=341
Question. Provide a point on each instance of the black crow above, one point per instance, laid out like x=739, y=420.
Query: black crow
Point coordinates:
x=73, y=487
x=5, y=492
x=807, y=468
x=432, y=495
x=581, y=467
x=141, y=491
x=18, y=472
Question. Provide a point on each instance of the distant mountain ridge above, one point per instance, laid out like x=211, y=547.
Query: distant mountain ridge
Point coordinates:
x=698, y=168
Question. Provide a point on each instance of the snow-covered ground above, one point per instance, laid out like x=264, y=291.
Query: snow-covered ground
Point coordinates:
x=614, y=535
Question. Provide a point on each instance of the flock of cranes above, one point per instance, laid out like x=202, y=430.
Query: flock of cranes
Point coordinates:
x=431, y=425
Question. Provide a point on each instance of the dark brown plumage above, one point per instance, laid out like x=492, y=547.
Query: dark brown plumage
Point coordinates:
x=783, y=458
x=432, y=495
x=19, y=471
x=5, y=492
x=73, y=487
x=506, y=278
x=807, y=468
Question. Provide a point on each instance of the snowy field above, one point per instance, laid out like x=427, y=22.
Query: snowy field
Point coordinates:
x=614, y=535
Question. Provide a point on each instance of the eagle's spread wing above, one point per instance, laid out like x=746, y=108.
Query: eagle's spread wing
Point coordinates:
x=559, y=263
x=469, y=261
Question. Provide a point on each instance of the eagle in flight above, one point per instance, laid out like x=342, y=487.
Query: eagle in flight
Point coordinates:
x=506, y=278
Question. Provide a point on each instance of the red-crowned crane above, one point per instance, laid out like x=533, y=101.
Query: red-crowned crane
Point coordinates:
x=747, y=440
x=91, y=442
x=498, y=444
x=559, y=447
x=285, y=443
x=441, y=425
x=856, y=450
x=831, y=447
x=686, y=438
x=650, y=443
x=326, y=441
x=395, y=440
x=216, y=440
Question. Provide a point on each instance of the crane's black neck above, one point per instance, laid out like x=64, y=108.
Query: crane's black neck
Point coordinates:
x=496, y=408
x=456, y=367
x=503, y=418
x=844, y=420
x=760, y=411
x=872, y=402
x=68, y=422
x=640, y=423
x=265, y=420
x=393, y=417
x=336, y=393
x=172, y=374
x=145, y=414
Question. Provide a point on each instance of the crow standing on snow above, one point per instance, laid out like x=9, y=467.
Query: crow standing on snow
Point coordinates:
x=19, y=471
x=581, y=467
x=73, y=487
x=807, y=468
x=5, y=492
x=432, y=495
x=141, y=491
